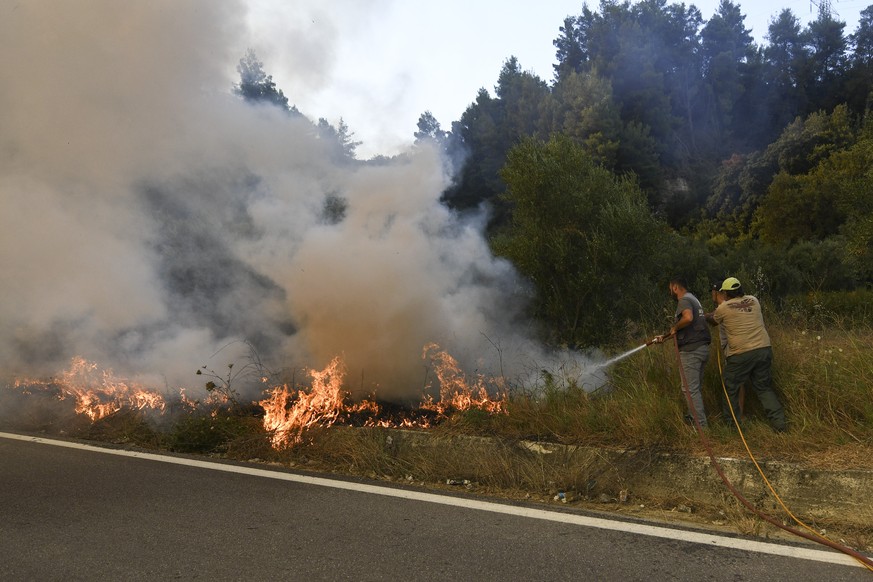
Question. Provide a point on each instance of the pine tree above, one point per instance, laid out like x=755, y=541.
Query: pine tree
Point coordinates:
x=256, y=86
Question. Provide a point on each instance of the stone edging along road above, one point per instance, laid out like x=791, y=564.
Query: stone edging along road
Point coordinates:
x=844, y=497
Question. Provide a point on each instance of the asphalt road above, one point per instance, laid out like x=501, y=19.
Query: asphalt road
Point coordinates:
x=69, y=514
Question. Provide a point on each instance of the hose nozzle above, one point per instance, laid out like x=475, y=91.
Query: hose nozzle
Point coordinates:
x=658, y=339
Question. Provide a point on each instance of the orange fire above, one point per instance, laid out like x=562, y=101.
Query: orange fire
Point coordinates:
x=288, y=410
x=98, y=393
x=455, y=392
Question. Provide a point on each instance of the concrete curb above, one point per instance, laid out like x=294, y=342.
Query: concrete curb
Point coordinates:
x=845, y=497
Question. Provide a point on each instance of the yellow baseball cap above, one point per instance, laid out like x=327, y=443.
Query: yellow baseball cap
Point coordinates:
x=730, y=284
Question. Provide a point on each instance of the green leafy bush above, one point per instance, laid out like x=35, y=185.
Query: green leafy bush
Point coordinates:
x=584, y=237
x=847, y=307
x=209, y=433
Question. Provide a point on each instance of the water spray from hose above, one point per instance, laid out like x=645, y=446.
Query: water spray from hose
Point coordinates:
x=594, y=374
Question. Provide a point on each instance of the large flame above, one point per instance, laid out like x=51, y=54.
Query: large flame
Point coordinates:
x=288, y=410
x=456, y=393
x=97, y=392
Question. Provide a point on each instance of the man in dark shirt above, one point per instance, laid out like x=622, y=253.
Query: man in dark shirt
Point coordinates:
x=692, y=337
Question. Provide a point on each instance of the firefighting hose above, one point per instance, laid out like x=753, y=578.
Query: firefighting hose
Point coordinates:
x=810, y=534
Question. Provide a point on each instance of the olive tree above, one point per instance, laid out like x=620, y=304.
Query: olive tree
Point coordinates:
x=584, y=237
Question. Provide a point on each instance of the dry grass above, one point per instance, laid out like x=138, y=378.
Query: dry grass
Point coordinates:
x=824, y=378
x=125, y=427
x=442, y=459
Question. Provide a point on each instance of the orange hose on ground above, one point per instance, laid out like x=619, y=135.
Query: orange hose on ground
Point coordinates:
x=815, y=537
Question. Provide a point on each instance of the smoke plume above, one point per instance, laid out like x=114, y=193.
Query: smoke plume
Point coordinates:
x=149, y=217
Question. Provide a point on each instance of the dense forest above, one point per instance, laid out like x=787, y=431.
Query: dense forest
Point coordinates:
x=667, y=144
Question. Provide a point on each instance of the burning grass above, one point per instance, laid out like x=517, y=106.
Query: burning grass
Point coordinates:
x=290, y=411
x=824, y=377
x=104, y=404
x=96, y=392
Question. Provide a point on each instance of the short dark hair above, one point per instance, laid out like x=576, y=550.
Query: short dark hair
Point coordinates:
x=679, y=281
x=738, y=292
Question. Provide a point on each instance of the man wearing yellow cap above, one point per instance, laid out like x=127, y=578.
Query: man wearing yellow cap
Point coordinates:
x=750, y=352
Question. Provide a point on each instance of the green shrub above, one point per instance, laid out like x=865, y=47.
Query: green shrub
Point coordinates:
x=828, y=307
x=583, y=236
x=122, y=427
x=208, y=433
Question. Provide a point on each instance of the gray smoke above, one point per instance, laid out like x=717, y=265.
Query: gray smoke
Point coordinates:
x=149, y=218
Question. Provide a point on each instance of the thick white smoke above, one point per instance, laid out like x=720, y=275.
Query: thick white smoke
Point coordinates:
x=149, y=217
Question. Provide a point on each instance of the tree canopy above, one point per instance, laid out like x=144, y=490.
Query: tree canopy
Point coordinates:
x=582, y=235
x=665, y=144
x=756, y=156
x=256, y=86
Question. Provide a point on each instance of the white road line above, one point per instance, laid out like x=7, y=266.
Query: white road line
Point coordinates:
x=832, y=557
